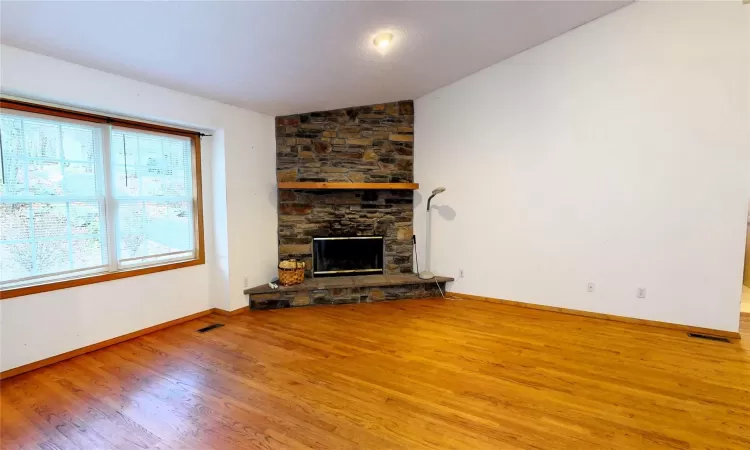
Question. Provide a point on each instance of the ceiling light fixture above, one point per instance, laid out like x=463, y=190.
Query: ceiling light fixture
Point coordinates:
x=383, y=40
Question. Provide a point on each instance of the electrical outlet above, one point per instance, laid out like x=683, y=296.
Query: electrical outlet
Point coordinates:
x=640, y=292
x=247, y=283
x=460, y=273
x=591, y=287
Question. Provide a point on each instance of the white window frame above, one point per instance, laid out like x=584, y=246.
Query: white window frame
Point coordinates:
x=114, y=202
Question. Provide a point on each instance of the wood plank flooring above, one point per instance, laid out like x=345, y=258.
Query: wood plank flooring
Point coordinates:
x=433, y=373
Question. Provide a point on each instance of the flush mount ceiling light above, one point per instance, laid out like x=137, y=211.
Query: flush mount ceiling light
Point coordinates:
x=383, y=40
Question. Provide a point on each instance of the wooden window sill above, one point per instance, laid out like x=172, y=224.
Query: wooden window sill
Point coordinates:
x=99, y=278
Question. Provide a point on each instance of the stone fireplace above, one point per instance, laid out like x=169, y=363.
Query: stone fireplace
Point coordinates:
x=306, y=215
x=356, y=243
x=363, y=144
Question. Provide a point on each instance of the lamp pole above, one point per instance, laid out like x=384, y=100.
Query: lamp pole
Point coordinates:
x=427, y=273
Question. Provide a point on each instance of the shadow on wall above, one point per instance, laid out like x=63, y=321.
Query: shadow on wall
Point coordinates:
x=417, y=200
x=445, y=211
x=273, y=195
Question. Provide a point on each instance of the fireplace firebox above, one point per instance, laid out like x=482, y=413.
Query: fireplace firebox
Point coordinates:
x=349, y=255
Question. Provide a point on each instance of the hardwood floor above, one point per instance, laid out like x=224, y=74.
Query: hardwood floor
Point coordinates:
x=393, y=375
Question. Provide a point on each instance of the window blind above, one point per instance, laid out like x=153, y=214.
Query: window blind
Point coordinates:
x=52, y=209
x=153, y=196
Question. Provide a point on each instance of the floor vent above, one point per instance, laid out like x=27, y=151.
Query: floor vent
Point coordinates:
x=210, y=327
x=709, y=337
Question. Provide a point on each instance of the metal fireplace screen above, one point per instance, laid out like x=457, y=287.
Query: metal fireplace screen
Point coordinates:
x=353, y=255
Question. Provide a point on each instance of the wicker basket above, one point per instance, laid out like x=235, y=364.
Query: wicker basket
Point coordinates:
x=291, y=272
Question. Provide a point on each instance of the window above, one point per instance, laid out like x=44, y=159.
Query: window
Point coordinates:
x=152, y=197
x=85, y=198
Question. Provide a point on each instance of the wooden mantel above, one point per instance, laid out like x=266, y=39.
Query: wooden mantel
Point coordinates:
x=348, y=186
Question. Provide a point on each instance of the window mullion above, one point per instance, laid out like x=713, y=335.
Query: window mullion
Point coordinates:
x=27, y=190
x=32, y=235
x=69, y=235
x=110, y=203
x=68, y=224
x=26, y=186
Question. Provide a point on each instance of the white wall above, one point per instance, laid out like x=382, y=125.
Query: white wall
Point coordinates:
x=616, y=153
x=240, y=214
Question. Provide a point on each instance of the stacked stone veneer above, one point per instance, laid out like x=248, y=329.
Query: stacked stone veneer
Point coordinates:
x=368, y=144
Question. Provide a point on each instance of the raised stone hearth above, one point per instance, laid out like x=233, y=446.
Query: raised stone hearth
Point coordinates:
x=357, y=289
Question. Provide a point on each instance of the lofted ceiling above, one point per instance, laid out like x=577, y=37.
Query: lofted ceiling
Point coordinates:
x=288, y=57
